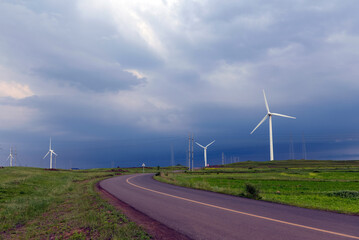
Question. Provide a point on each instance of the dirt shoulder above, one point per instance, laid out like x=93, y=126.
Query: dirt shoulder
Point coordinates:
x=156, y=229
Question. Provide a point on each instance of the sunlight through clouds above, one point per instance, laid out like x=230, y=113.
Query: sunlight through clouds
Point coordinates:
x=14, y=90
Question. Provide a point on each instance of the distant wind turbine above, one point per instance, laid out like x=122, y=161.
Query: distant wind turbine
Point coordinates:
x=269, y=114
x=205, y=151
x=11, y=157
x=51, y=152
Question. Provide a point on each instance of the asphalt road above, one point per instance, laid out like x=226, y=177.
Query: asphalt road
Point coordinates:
x=206, y=215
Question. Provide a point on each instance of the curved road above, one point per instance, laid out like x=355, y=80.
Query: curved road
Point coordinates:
x=206, y=215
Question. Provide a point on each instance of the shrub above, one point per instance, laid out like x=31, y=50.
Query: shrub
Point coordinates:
x=344, y=194
x=251, y=191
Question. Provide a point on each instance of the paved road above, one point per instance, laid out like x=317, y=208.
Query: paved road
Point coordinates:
x=206, y=215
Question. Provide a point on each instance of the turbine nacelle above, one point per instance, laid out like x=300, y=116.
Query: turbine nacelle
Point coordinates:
x=53, y=152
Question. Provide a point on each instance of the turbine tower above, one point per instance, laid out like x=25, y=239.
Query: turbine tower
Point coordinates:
x=11, y=157
x=270, y=114
x=205, y=151
x=51, y=152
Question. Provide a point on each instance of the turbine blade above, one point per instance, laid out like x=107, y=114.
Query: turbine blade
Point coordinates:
x=54, y=153
x=210, y=143
x=281, y=115
x=46, y=154
x=199, y=145
x=265, y=100
x=265, y=117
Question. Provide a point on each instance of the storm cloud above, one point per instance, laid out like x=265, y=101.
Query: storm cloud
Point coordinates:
x=112, y=77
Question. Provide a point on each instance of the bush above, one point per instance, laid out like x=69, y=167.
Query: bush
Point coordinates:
x=344, y=194
x=251, y=191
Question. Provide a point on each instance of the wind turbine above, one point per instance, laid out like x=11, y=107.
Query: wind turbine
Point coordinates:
x=270, y=114
x=205, y=151
x=51, y=152
x=11, y=157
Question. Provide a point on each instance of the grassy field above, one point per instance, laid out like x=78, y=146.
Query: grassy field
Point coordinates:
x=41, y=204
x=326, y=185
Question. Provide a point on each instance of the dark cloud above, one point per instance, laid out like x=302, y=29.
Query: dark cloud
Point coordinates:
x=95, y=78
x=109, y=78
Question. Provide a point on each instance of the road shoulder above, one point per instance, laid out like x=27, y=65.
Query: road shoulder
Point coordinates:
x=156, y=229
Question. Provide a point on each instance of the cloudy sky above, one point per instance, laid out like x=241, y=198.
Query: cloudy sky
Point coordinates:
x=120, y=82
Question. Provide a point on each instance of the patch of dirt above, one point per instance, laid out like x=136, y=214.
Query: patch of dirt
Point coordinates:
x=156, y=229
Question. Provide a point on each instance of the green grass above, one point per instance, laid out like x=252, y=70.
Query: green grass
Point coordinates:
x=325, y=185
x=41, y=204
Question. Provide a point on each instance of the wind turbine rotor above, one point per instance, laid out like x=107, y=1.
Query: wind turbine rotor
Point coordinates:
x=265, y=117
x=265, y=100
x=200, y=145
x=46, y=155
x=210, y=143
x=282, y=115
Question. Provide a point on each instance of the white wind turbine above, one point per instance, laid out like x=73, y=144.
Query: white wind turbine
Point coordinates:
x=51, y=152
x=269, y=114
x=205, y=151
x=11, y=157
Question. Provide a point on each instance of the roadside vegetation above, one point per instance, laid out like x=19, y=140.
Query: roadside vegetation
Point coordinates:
x=61, y=204
x=325, y=185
